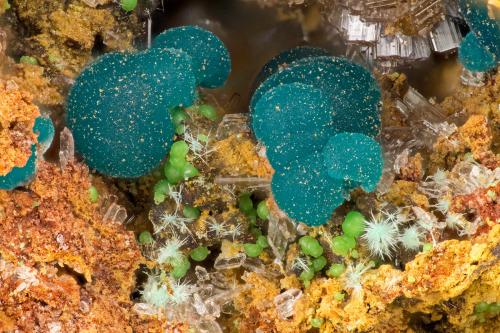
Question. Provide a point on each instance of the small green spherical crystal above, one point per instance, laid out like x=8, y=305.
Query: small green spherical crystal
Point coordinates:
x=252, y=250
x=255, y=231
x=128, y=5
x=335, y=270
x=93, y=194
x=28, y=60
x=200, y=253
x=319, y=263
x=262, y=241
x=341, y=245
x=191, y=212
x=354, y=224
x=245, y=203
x=173, y=174
x=262, y=210
x=481, y=307
x=161, y=190
x=179, y=149
x=307, y=275
x=180, y=129
x=310, y=246
x=494, y=308
x=252, y=216
x=339, y=296
x=180, y=268
x=208, y=111
x=427, y=247
x=178, y=115
x=317, y=322
x=145, y=238
x=177, y=162
x=190, y=171
x=354, y=254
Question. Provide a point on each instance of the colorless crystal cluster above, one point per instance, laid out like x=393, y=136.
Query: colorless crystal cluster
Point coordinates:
x=424, y=123
x=391, y=33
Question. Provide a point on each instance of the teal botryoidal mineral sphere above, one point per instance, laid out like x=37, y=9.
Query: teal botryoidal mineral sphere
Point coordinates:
x=486, y=28
x=210, y=58
x=480, y=50
x=318, y=118
x=44, y=128
x=118, y=108
x=20, y=176
x=474, y=56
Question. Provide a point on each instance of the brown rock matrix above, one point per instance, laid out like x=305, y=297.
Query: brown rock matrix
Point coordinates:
x=17, y=118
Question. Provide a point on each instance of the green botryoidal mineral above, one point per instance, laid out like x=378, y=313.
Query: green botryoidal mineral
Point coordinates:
x=128, y=5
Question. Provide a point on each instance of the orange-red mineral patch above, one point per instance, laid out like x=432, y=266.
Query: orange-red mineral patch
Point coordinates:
x=62, y=267
x=17, y=117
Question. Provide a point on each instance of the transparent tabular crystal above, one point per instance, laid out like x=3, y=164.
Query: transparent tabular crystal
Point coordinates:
x=380, y=10
x=285, y=302
x=94, y=3
x=401, y=46
x=243, y=181
x=201, y=274
x=207, y=326
x=425, y=13
x=256, y=265
x=229, y=262
x=145, y=309
x=419, y=108
x=445, y=36
x=235, y=123
x=387, y=178
x=356, y=30
x=401, y=161
x=199, y=305
x=280, y=232
x=215, y=303
x=3, y=41
x=115, y=214
x=66, y=148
